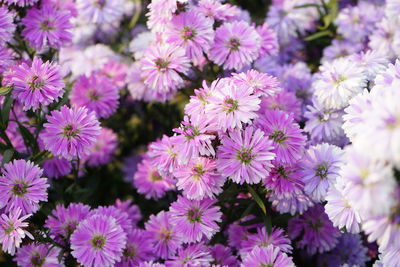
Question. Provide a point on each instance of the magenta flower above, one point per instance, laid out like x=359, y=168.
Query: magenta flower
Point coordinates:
x=22, y=186
x=199, y=101
x=285, y=101
x=116, y=72
x=261, y=84
x=218, y=11
x=245, y=156
x=6, y=59
x=97, y=93
x=39, y=84
x=165, y=238
x=56, y=167
x=98, y=241
x=269, y=40
x=222, y=256
x=12, y=230
x=193, y=32
x=121, y=217
x=63, y=221
x=164, y=153
x=199, y=179
x=267, y=256
x=286, y=135
x=161, y=66
x=285, y=180
x=21, y=3
x=132, y=210
x=196, y=219
x=47, y=27
x=103, y=150
x=36, y=254
x=70, y=132
x=192, y=255
x=138, y=249
x=7, y=26
x=236, y=45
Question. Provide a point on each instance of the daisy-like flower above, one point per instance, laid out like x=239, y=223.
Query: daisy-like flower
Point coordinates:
x=104, y=148
x=294, y=203
x=222, y=256
x=47, y=27
x=21, y=3
x=22, y=186
x=314, y=231
x=151, y=264
x=37, y=254
x=217, y=11
x=341, y=48
x=140, y=42
x=192, y=255
x=7, y=27
x=138, y=249
x=390, y=257
x=62, y=221
x=199, y=101
x=116, y=71
x=12, y=230
x=277, y=238
x=196, y=219
x=383, y=37
x=164, y=236
x=321, y=165
x=385, y=230
x=98, y=241
x=337, y=82
x=121, y=217
x=261, y=84
x=165, y=153
x=269, y=40
x=245, y=156
x=101, y=11
x=230, y=106
x=132, y=210
x=193, y=32
x=236, y=44
x=97, y=93
x=36, y=84
x=199, y=179
x=285, y=101
x=56, y=167
x=6, y=59
x=286, y=135
x=161, y=66
x=148, y=180
x=267, y=256
x=160, y=13
x=70, y=132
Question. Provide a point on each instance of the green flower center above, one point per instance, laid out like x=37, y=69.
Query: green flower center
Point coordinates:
x=98, y=241
x=36, y=260
x=70, y=131
x=99, y=4
x=165, y=235
x=9, y=228
x=278, y=136
x=231, y=105
x=130, y=252
x=245, y=155
x=198, y=171
x=162, y=65
x=234, y=44
x=194, y=216
x=321, y=170
x=315, y=225
x=93, y=95
x=36, y=83
x=20, y=188
x=46, y=26
x=155, y=176
x=188, y=33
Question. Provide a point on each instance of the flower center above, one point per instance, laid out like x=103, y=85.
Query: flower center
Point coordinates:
x=245, y=155
x=282, y=172
x=188, y=33
x=20, y=188
x=130, y=252
x=155, y=176
x=46, y=26
x=98, y=241
x=99, y=3
x=198, y=171
x=231, y=105
x=190, y=131
x=322, y=170
x=234, y=44
x=93, y=95
x=278, y=136
x=36, y=83
x=70, y=132
x=194, y=216
x=165, y=235
x=36, y=260
x=70, y=227
x=9, y=228
x=162, y=65
x=315, y=225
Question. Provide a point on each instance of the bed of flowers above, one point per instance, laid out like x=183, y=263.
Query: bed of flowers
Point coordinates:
x=195, y=133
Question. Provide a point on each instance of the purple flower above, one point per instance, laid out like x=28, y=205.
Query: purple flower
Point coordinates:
x=98, y=241
x=121, y=217
x=70, y=132
x=245, y=156
x=148, y=181
x=193, y=255
x=37, y=84
x=164, y=153
x=21, y=3
x=62, y=221
x=101, y=11
x=138, y=249
x=384, y=230
x=97, y=93
x=217, y=10
x=199, y=179
x=267, y=256
x=236, y=45
x=193, y=32
x=195, y=218
x=36, y=254
x=7, y=26
x=222, y=256
x=285, y=101
x=103, y=150
x=261, y=84
x=47, y=27
x=116, y=71
x=286, y=135
x=12, y=230
x=199, y=101
x=161, y=66
x=22, y=186
x=269, y=40
x=6, y=59
x=314, y=231
x=294, y=203
x=133, y=211
x=164, y=238
x=56, y=167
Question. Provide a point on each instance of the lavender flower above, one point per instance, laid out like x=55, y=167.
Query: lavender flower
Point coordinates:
x=138, y=249
x=104, y=148
x=192, y=255
x=222, y=256
x=7, y=27
x=36, y=254
x=101, y=11
x=267, y=256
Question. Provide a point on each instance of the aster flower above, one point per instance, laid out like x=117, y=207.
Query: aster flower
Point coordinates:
x=261, y=84
x=36, y=254
x=294, y=203
x=229, y=105
x=382, y=38
x=70, y=132
x=97, y=93
x=6, y=59
x=245, y=156
x=267, y=256
x=286, y=135
x=222, y=256
x=164, y=236
x=56, y=167
x=321, y=165
x=340, y=49
x=7, y=27
x=314, y=231
x=116, y=72
x=194, y=255
x=161, y=66
x=236, y=45
x=269, y=40
x=390, y=257
x=217, y=11
x=133, y=211
x=384, y=230
x=68, y=5
x=121, y=217
x=160, y=13
x=47, y=27
x=193, y=32
x=22, y=186
x=138, y=249
x=12, y=230
x=98, y=241
x=277, y=238
x=140, y=42
x=148, y=181
x=238, y=233
x=151, y=264
x=199, y=101
x=37, y=84
x=337, y=82
x=101, y=11
x=199, y=179
x=285, y=101
x=165, y=153
x=21, y=3
x=63, y=221
x=196, y=219
x=104, y=148
x=372, y=62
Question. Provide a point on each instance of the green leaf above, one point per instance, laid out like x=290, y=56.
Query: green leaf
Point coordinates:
x=258, y=200
x=247, y=210
x=7, y=156
x=268, y=223
x=318, y=35
x=29, y=139
x=308, y=5
x=5, y=112
x=38, y=158
x=5, y=90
